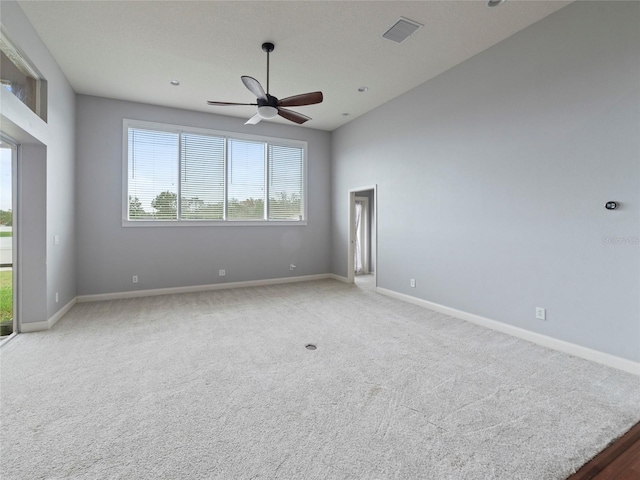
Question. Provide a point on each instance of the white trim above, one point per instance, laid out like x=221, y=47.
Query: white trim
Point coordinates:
x=18, y=58
x=212, y=223
x=199, y=288
x=46, y=325
x=609, y=360
x=339, y=278
x=5, y=340
x=34, y=327
x=176, y=128
x=350, y=234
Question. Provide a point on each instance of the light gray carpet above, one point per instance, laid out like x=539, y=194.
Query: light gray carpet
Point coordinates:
x=218, y=385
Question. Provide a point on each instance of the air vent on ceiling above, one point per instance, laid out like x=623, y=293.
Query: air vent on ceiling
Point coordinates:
x=402, y=29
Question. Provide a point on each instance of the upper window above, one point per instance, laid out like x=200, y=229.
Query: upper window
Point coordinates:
x=192, y=176
x=21, y=79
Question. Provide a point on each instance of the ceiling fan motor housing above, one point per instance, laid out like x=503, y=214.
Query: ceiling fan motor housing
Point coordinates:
x=268, y=108
x=270, y=101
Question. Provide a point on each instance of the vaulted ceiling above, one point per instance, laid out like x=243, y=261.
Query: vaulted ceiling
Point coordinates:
x=131, y=50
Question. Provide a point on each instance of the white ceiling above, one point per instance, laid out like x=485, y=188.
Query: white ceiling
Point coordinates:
x=130, y=50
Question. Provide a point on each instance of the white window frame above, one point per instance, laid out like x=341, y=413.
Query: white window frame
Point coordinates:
x=170, y=128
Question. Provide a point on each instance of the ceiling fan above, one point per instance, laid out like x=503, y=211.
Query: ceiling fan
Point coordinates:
x=268, y=105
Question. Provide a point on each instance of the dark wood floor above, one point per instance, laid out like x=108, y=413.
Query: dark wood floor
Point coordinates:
x=619, y=461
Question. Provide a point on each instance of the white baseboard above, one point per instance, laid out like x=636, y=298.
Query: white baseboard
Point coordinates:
x=199, y=288
x=609, y=360
x=339, y=278
x=46, y=325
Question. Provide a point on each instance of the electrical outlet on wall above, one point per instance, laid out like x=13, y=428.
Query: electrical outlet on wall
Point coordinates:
x=413, y=283
x=222, y=272
x=135, y=279
x=541, y=313
x=292, y=267
x=56, y=297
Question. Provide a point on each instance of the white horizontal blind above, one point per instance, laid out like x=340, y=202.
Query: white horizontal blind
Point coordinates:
x=245, y=180
x=202, y=177
x=286, y=165
x=153, y=174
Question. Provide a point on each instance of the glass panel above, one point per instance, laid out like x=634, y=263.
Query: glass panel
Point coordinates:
x=6, y=240
x=202, y=191
x=285, y=183
x=153, y=175
x=245, y=180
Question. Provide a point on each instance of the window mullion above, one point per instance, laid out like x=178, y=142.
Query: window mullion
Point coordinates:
x=225, y=187
x=266, y=182
x=179, y=190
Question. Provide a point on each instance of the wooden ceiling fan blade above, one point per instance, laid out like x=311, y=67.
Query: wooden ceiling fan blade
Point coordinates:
x=293, y=116
x=227, y=104
x=300, y=100
x=254, y=87
x=253, y=120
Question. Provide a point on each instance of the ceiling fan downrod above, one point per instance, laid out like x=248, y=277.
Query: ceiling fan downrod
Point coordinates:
x=268, y=47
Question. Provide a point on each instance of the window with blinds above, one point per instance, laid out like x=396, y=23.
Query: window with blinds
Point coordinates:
x=153, y=175
x=285, y=166
x=202, y=177
x=246, y=180
x=181, y=176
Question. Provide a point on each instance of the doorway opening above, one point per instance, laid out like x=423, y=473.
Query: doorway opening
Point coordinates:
x=362, y=247
x=8, y=256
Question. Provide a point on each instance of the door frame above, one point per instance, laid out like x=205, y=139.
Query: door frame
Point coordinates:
x=350, y=232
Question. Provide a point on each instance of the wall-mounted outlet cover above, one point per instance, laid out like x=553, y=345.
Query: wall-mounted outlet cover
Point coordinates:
x=56, y=297
x=413, y=283
x=222, y=272
x=135, y=279
x=541, y=313
x=292, y=267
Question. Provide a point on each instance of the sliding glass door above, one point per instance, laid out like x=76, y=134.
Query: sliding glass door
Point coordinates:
x=8, y=163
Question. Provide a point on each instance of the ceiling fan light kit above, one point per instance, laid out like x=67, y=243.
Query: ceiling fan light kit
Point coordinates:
x=267, y=112
x=269, y=106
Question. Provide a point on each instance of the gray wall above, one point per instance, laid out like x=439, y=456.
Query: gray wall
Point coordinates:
x=110, y=254
x=32, y=221
x=492, y=180
x=48, y=181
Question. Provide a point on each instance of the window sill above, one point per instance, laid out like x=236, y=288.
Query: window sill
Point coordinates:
x=225, y=223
